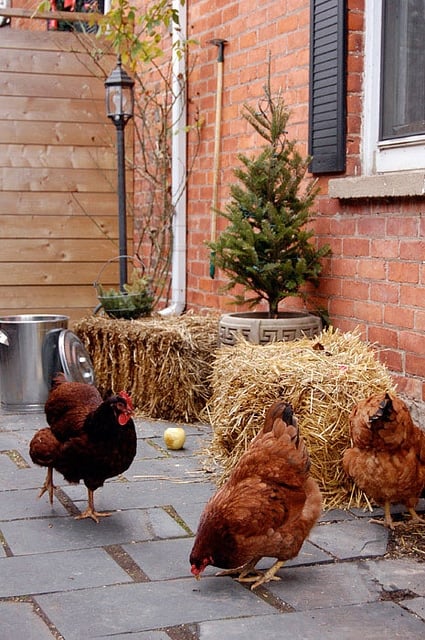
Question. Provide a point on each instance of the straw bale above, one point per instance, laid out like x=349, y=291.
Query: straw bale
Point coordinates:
x=164, y=363
x=322, y=377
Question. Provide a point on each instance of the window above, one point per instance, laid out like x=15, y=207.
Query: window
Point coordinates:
x=394, y=99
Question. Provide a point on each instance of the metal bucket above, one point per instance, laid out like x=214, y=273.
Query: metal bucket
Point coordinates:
x=28, y=359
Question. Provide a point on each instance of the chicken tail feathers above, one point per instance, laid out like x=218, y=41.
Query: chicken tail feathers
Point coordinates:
x=279, y=411
x=384, y=410
x=58, y=379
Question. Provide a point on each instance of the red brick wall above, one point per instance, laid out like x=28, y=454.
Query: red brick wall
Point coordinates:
x=252, y=31
x=375, y=278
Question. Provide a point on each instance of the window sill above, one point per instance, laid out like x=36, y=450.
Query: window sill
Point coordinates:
x=388, y=185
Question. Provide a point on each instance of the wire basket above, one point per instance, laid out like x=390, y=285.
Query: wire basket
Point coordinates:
x=134, y=301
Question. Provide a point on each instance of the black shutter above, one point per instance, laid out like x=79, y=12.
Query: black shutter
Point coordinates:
x=327, y=86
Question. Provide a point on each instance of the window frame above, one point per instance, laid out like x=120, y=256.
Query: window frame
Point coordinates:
x=398, y=154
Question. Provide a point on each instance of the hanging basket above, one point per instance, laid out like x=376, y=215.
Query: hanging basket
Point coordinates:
x=134, y=301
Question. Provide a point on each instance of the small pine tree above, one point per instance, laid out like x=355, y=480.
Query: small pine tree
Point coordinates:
x=266, y=247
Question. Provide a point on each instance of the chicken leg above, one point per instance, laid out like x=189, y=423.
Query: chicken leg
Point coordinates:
x=242, y=571
x=263, y=576
x=48, y=485
x=389, y=522
x=90, y=512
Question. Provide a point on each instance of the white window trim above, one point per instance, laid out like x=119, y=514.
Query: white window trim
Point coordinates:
x=392, y=155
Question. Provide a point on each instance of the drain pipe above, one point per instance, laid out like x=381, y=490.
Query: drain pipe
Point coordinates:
x=178, y=170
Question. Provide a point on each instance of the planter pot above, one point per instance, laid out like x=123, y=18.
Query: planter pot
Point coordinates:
x=258, y=328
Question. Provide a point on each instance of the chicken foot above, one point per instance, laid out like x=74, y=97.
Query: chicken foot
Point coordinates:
x=389, y=522
x=48, y=485
x=90, y=512
x=241, y=571
x=248, y=573
x=263, y=576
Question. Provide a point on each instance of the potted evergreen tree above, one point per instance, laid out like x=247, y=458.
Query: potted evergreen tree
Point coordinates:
x=266, y=248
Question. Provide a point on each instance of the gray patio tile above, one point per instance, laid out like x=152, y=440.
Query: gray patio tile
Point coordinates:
x=396, y=575
x=186, y=468
x=416, y=605
x=11, y=477
x=370, y=621
x=142, y=635
x=20, y=622
x=25, y=504
x=351, y=539
x=65, y=571
x=323, y=586
x=143, y=494
x=60, y=534
x=147, y=606
x=150, y=557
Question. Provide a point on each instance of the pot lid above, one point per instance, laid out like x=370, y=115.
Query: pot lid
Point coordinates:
x=76, y=363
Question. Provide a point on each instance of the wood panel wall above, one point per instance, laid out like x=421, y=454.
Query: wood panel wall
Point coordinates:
x=58, y=202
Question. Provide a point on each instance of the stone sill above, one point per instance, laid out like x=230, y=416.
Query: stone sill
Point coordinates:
x=388, y=185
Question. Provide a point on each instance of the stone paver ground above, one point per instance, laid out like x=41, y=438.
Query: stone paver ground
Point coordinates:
x=128, y=577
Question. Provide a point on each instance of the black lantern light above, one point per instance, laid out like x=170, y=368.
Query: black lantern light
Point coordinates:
x=120, y=108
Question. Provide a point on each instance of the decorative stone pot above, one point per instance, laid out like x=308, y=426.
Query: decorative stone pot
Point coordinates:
x=258, y=328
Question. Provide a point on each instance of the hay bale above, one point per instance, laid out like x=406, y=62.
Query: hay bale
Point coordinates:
x=164, y=363
x=322, y=377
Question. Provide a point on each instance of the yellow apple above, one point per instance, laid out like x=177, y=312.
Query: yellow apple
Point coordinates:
x=174, y=437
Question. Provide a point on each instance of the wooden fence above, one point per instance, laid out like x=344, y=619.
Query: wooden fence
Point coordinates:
x=58, y=203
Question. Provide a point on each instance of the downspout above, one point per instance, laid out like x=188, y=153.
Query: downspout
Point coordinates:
x=178, y=169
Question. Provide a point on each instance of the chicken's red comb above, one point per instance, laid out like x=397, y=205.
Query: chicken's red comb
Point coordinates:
x=124, y=394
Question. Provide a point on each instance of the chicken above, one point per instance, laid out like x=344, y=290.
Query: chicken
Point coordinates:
x=88, y=438
x=266, y=508
x=387, y=457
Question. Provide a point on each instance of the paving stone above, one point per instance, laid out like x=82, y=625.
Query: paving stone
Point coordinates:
x=416, y=605
x=20, y=575
x=143, y=494
x=185, y=468
x=143, y=635
x=140, y=607
x=25, y=504
x=335, y=515
x=396, y=575
x=351, y=539
x=18, y=621
x=369, y=621
x=165, y=559
x=60, y=534
x=11, y=477
x=60, y=562
x=320, y=586
x=146, y=450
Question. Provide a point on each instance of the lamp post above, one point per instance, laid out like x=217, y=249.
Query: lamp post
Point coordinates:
x=119, y=88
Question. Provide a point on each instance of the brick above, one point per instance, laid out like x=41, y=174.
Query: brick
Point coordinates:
x=403, y=272
x=384, y=337
x=384, y=248
x=356, y=290
x=383, y=292
x=415, y=365
x=373, y=269
x=412, y=295
x=341, y=307
x=392, y=359
x=402, y=227
x=368, y=311
x=413, y=250
x=355, y=247
x=412, y=341
x=397, y=317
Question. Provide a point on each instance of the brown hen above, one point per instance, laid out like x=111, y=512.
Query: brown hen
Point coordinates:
x=266, y=508
x=387, y=457
x=88, y=438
